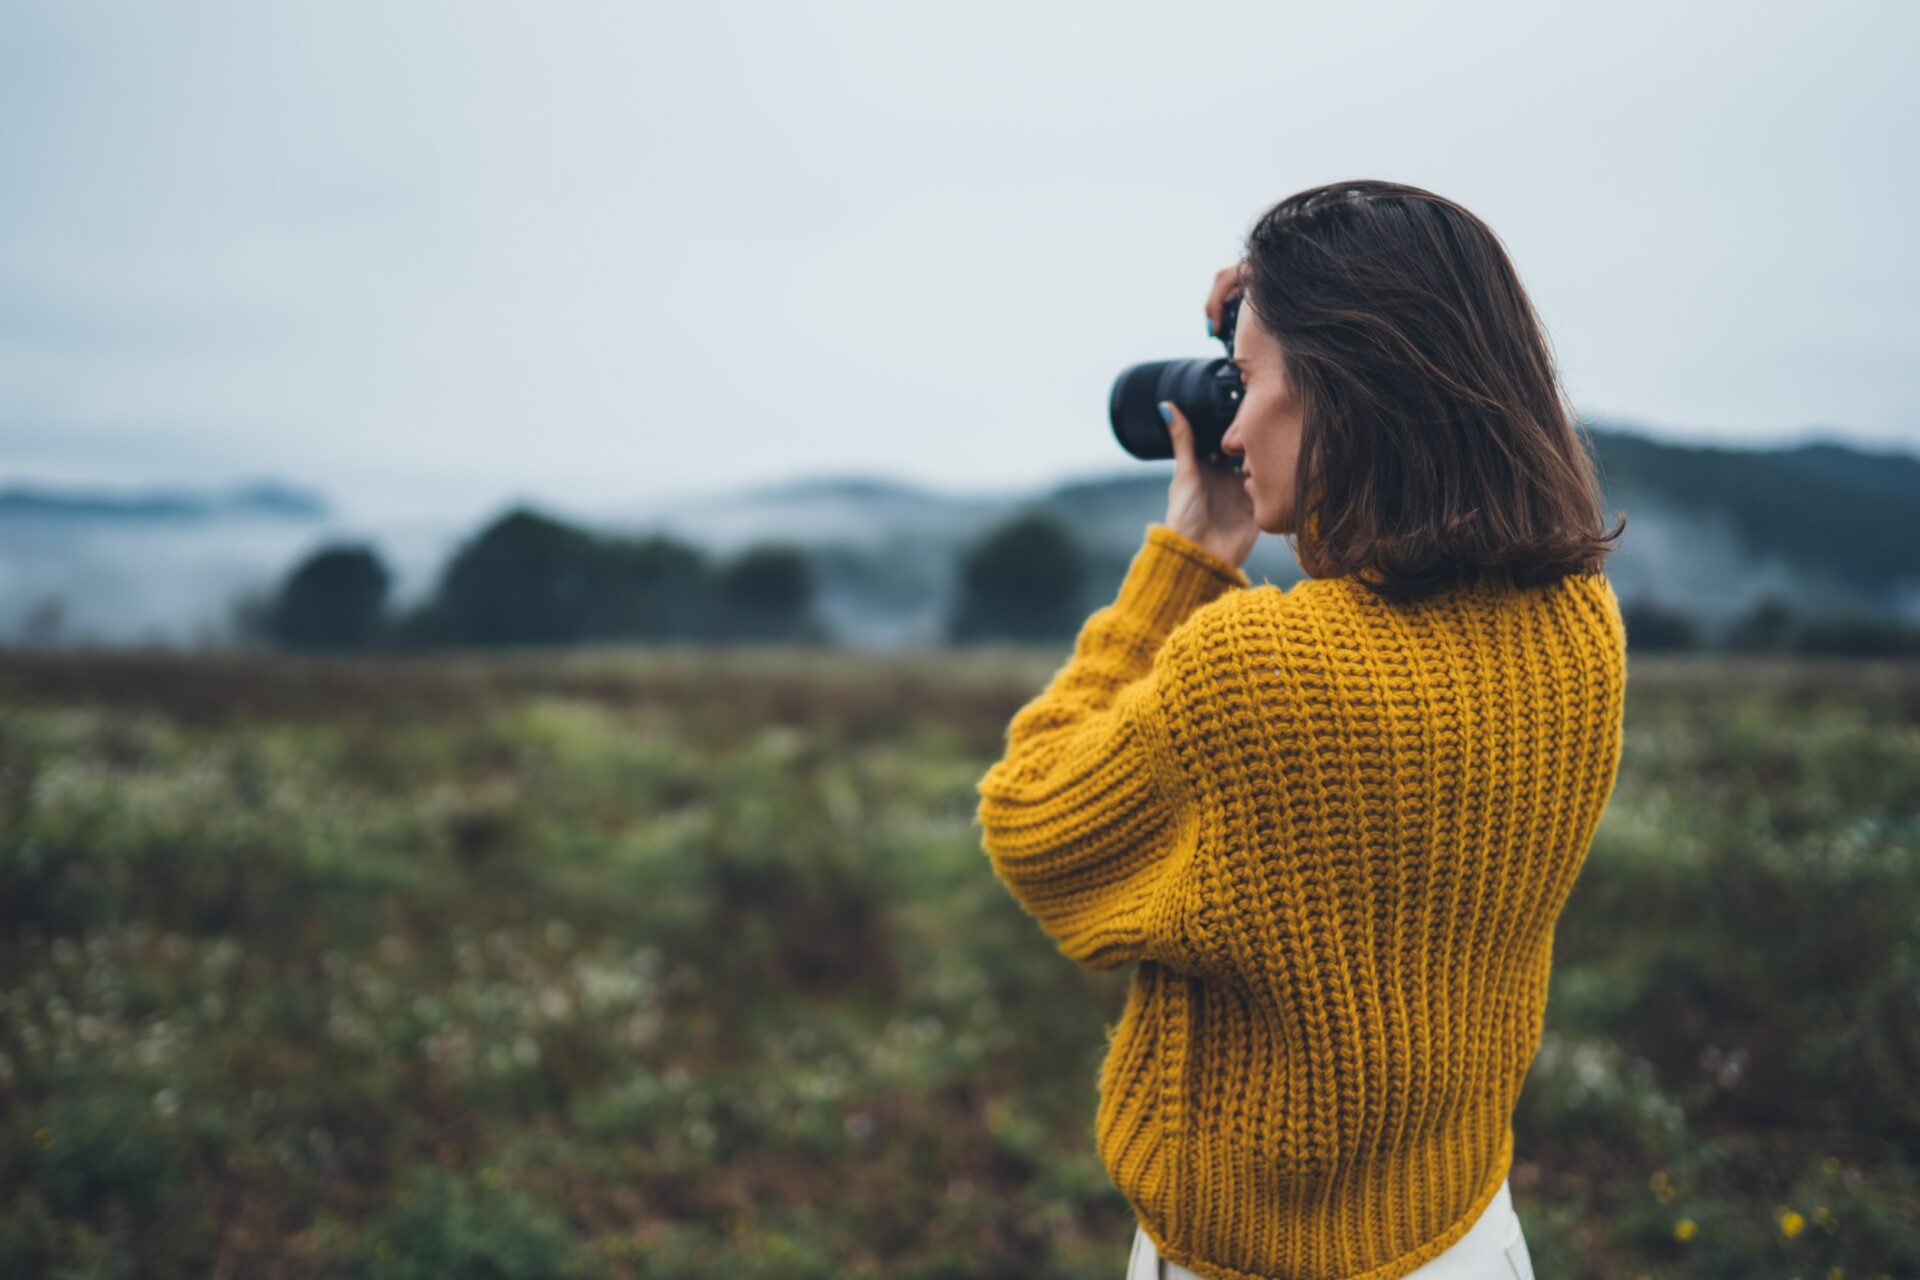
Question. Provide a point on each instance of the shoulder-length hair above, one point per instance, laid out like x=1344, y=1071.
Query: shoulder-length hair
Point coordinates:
x=1438, y=442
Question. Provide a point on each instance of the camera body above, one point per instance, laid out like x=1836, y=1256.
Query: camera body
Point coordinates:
x=1207, y=390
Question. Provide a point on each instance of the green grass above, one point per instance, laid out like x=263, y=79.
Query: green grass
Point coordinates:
x=667, y=963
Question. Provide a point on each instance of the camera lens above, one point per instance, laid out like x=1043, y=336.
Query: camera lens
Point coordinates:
x=1208, y=392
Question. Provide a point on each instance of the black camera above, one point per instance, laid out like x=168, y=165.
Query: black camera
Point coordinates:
x=1208, y=392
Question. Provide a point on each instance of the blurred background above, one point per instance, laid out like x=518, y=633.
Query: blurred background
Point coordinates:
x=521, y=526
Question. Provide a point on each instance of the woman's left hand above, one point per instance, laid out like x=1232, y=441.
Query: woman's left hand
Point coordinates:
x=1207, y=505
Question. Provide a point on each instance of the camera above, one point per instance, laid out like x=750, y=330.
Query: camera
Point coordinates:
x=1207, y=390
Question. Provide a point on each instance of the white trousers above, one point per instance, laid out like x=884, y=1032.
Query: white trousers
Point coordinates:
x=1494, y=1248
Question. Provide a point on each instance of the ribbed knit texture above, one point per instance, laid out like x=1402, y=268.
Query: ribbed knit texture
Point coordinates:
x=1336, y=835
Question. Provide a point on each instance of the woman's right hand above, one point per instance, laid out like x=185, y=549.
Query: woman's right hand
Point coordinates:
x=1227, y=283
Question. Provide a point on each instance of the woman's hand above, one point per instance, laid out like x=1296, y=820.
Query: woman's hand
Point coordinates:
x=1227, y=283
x=1206, y=504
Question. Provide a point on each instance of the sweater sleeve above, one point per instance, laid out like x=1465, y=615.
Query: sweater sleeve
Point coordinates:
x=1086, y=819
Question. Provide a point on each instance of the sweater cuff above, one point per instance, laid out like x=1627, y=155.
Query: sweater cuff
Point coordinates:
x=1171, y=576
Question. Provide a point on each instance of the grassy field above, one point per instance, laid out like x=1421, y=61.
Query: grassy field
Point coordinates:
x=673, y=964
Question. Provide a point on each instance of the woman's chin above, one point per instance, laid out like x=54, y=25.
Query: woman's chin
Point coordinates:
x=1265, y=517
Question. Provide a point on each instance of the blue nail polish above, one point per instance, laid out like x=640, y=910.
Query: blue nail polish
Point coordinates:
x=1209, y=326
x=1166, y=415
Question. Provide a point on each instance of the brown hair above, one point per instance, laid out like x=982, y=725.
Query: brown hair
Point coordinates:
x=1438, y=442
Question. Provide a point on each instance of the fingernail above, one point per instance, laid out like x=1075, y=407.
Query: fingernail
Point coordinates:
x=1166, y=413
x=1209, y=326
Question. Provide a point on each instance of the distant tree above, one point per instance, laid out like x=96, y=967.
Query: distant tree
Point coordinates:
x=332, y=600
x=1767, y=626
x=766, y=593
x=1859, y=635
x=524, y=579
x=528, y=578
x=1653, y=625
x=1021, y=581
x=650, y=588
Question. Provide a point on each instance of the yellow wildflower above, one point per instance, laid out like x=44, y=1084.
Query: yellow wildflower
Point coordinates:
x=1684, y=1229
x=43, y=1136
x=1791, y=1224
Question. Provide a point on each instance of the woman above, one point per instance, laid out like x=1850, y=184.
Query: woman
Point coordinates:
x=1335, y=824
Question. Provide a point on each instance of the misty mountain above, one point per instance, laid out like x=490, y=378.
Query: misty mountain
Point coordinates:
x=1830, y=523
x=265, y=499
x=1896, y=475
x=1828, y=527
x=165, y=565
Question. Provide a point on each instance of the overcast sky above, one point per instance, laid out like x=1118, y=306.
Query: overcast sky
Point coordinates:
x=451, y=253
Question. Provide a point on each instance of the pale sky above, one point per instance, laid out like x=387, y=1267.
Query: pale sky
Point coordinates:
x=442, y=254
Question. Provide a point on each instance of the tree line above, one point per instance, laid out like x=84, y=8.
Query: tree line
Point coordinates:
x=1769, y=625
x=531, y=579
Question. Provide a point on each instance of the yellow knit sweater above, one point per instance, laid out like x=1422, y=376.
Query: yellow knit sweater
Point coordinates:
x=1336, y=834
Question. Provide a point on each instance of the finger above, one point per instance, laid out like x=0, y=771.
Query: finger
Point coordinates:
x=1178, y=432
x=1226, y=283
